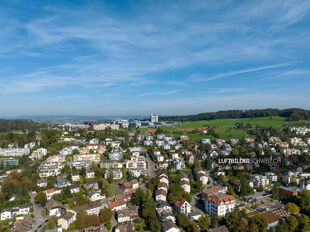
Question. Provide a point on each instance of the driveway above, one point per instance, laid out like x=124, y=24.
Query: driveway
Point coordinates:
x=151, y=167
x=39, y=219
x=196, y=205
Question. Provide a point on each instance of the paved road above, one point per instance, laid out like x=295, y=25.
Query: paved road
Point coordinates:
x=38, y=217
x=151, y=166
x=196, y=206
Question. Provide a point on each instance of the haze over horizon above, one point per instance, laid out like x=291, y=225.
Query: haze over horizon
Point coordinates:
x=167, y=58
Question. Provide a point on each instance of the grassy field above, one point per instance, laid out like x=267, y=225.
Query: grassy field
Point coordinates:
x=112, y=189
x=224, y=127
x=262, y=121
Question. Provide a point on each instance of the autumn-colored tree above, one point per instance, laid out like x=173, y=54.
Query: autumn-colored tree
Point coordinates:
x=40, y=199
x=292, y=208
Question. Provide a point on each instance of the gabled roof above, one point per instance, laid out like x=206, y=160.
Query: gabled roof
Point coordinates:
x=179, y=203
x=218, y=199
x=159, y=192
x=169, y=225
x=67, y=216
x=114, y=204
x=53, y=204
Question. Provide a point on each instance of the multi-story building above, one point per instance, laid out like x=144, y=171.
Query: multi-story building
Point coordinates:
x=219, y=205
x=259, y=180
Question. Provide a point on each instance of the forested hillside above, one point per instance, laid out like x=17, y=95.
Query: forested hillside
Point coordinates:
x=23, y=125
x=293, y=114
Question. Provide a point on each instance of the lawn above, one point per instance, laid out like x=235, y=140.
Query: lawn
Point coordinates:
x=111, y=188
x=224, y=127
x=261, y=121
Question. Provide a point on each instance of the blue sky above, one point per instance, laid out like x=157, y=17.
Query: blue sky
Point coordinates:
x=141, y=57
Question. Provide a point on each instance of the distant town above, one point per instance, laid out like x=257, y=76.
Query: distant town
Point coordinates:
x=151, y=175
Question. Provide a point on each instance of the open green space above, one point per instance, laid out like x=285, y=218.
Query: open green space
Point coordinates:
x=111, y=188
x=262, y=121
x=224, y=127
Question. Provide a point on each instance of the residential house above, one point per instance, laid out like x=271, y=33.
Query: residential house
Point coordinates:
x=24, y=225
x=90, y=174
x=163, y=206
x=201, y=175
x=51, y=192
x=92, y=184
x=54, y=208
x=259, y=180
x=75, y=177
x=117, y=205
x=184, y=182
x=115, y=155
x=195, y=215
x=182, y=206
x=42, y=183
x=94, y=196
x=126, y=215
x=160, y=195
x=61, y=182
x=66, y=219
x=74, y=188
x=130, y=185
x=169, y=226
x=91, y=209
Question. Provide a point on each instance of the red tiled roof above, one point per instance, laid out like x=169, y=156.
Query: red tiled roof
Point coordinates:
x=152, y=131
x=114, y=204
x=216, y=199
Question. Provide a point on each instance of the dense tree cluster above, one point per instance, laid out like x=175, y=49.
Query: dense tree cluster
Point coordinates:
x=293, y=114
x=24, y=125
x=84, y=220
x=144, y=200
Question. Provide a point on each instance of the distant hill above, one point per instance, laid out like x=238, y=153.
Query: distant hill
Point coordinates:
x=293, y=114
x=75, y=118
x=23, y=125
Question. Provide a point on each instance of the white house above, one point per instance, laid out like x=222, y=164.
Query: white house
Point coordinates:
x=219, y=205
x=182, y=206
x=94, y=196
x=160, y=195
x=90, y=174
x=74, y=188
x=169, y=226
x=54, y=208
x=75, y=177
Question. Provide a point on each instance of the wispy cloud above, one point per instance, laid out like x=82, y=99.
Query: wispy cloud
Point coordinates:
x=234, y=73
x=162, y=93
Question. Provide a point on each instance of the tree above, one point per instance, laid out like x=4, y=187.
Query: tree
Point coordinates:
x=83, y=171
x=260, y=221
x=105, y=215
x=292, y=208
x=304, y=200
x=108, y=225
x=244, y=225
x=254, y=227
x=66, y=192
x=182, y=220
x=292, y=223
x=204, y=222
x=304, y=222
x=245, y=188
x=275, y=191
x=40, y=199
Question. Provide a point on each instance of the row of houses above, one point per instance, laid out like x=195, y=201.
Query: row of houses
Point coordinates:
x=9, y=213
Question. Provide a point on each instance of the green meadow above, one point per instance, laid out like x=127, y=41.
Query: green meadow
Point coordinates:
x=224, y=127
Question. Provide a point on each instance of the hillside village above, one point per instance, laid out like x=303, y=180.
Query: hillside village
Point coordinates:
x=110, y=177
